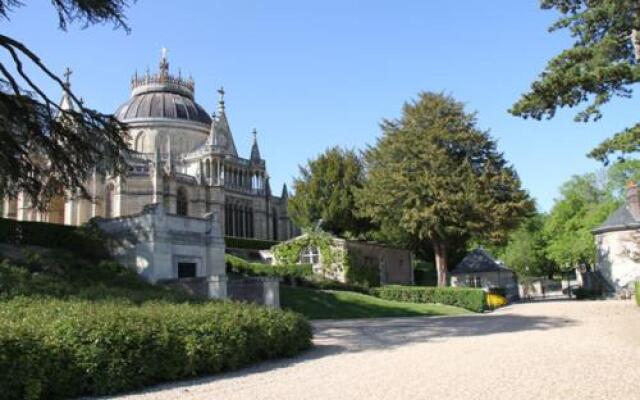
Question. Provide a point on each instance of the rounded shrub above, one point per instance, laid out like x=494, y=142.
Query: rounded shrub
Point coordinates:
x=495, y=301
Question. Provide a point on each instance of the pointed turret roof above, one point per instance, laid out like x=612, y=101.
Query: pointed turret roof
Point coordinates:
x=220, y=133
x=67, y=103
x=255, y=151
x=285, y=191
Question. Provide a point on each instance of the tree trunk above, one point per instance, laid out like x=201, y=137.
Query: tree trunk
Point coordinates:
x=440, y=251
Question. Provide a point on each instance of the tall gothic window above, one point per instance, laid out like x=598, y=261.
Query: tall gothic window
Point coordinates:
x=182, y=202
x=274, y=224
x=109, y=200
x=207, y=169
x=310, y=255
x=12, y=208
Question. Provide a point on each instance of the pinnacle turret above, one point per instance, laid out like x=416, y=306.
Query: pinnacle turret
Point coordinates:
x=255, y=151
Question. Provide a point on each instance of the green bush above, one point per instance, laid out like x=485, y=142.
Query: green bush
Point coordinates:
x=85, y=241
x=51, y=349
x=290, y=273
x=424, y=273
x=360, y=272
x=471, y=299
x=251, y=244
x=638, y=292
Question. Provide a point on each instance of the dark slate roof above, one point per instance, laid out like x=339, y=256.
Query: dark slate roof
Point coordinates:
x=478, y=261
x=619, y=220
x=162, y=104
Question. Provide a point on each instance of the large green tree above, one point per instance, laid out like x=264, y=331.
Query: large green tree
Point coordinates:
x=437, y=177
x=584, y=203
x=44, y=148
x=325, y=191
x=601, y=64
x=525, y=251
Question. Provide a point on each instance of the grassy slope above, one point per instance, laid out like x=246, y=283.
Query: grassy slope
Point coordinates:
x=327, y=304
x=33, y=271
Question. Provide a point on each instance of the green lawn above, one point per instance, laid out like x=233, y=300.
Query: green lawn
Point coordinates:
x=328, y=304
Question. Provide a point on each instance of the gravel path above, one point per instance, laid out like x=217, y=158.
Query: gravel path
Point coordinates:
x=552, y=350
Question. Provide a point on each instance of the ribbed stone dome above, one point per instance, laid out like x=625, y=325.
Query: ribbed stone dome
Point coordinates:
x=165, y=104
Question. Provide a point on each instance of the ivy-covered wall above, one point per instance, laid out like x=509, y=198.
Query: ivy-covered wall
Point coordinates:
x=331, y=254
x=337, y=262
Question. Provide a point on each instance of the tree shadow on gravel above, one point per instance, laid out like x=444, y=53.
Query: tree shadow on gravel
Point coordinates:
x=333, y=337
x=379, y=334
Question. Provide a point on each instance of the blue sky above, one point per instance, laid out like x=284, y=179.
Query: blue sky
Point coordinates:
x=313, y=75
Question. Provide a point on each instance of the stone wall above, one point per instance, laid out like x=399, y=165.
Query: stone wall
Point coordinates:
x=156, y=243
x=616, y=259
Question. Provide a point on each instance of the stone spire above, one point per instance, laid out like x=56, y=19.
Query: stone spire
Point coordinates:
x=255, y=151
x=220, y=133
x=285, y=191
x=67, y=103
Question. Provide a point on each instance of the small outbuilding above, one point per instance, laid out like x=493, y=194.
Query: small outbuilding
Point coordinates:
x=344, y=260
x=618, y=246
x=479, y=270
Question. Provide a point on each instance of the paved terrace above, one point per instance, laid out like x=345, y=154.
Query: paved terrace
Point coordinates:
x=545, y=350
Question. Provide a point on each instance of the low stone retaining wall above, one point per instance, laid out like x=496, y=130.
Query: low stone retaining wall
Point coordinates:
x=264, y=291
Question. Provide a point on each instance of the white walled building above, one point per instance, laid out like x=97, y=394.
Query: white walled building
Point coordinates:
x=618, y=245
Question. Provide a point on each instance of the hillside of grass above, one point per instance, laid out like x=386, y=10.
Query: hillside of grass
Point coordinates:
x=54, y=273
x=328, y=304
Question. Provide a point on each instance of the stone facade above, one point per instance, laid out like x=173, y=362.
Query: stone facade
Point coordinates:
x=182, y=158
x=164, y=247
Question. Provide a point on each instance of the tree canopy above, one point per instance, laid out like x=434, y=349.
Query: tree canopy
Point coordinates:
x=525, y=251
x=440, y=179
x=325, y=191
x=601, y=64
x=46, y=148
x=585, y=202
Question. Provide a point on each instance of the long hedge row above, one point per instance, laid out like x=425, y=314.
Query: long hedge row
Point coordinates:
x=52, y=349
x=471, y=299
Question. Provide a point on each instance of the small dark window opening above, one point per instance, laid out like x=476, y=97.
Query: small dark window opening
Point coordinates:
x=186, y=270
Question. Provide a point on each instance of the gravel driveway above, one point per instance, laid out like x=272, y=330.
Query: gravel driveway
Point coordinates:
x=551, y=350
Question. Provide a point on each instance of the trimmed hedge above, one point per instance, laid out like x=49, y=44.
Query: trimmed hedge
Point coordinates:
x=295, y=272
x=638, y=292
x=85, y=241
x=471, y=299
x=52, y=349
x=250, y=244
